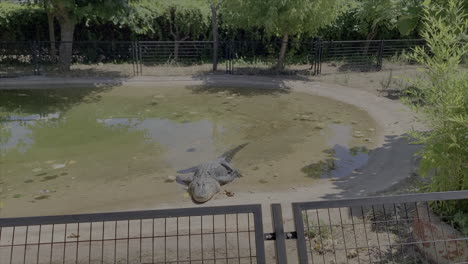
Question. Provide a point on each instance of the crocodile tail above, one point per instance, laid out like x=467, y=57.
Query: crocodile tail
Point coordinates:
x=228, y=155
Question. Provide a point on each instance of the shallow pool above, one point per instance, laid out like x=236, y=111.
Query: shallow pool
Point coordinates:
x=95, y=149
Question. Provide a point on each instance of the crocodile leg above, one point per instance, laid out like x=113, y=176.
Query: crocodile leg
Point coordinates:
x=186, y=180
x=189, y=170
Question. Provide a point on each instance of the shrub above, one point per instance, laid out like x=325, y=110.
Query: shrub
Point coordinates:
x=442, y=93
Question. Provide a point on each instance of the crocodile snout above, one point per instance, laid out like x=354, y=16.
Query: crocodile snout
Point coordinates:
x=203, y=191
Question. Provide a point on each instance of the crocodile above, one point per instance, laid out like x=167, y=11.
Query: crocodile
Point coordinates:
x=208, y=177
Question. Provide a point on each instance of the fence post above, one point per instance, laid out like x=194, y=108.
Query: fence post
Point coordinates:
x=278, y=229
x=35, y=53
x=139, y=58
x=231, y=57
x=320, y=52
x=380, y=55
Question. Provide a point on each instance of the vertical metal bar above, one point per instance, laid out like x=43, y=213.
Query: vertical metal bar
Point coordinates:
x=377, y=234
x=214, y=246
x=128, y=239
x=102, y=243
x=320, y=44
x=344, y=237
x=115, y=242
x=380, y=55
x=411, y=233
x=190, y=239
x=77, y=243
x=237, y=231
x=365, y=233
x=278, y=229
x=12, y=244
x=259, y=239
x=141, y=235
x=321, y=236
x=39, y=243
x=90, y=240
x=331, y=233
x=306, y=214
x=225, y=236
x=388, y=233
x=354, y=232
x=248, y=232
x=165, y=239
x=299, y=225
x=177, y=239
x=25, y=244
x=201, y=238
x=132, y=45
x=64, y=243
x=52, y=244
x=152, y=243
x=140, y=62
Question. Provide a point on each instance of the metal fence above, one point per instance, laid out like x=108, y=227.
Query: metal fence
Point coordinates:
x=395, y=229
x=230, y=234
x=391, y=229
x=133, y=58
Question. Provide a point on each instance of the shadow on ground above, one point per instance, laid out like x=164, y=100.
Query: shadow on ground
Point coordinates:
x=393, y=163
x=213, y=83
x=44, y=101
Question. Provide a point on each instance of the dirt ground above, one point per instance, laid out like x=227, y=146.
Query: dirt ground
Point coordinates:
x=392, y=160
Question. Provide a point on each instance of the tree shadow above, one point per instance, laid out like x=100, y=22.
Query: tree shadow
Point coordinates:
x=393, y=163
x=358, y=67
x=50, y=99
x=237, y=84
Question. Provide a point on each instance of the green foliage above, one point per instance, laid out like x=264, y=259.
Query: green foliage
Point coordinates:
x=442, y=93
x=148, y=17
x=18, y=21
x=377, y=15
x=279, y=17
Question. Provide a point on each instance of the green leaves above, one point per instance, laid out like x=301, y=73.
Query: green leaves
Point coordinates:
x=444, y=97
x=279, y=17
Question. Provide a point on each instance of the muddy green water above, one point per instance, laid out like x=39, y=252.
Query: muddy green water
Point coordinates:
x=85, y=150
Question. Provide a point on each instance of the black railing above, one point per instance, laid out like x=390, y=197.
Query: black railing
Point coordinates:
x=132, y=58
x=229, y=234
x=391, y=229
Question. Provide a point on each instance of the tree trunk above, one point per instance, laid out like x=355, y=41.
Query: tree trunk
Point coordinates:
x=50, y=21
x=67, y=28
x=214, y=27
x=176, y=50
x=370, y=36
x=282, y=55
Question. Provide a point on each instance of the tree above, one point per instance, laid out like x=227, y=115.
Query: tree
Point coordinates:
x=284, y=18
x=186, y=18
x=215, y=6
x=51, y=28
x=69, y=12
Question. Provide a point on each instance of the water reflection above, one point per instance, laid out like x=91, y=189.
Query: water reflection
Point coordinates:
x=343, y=159
x=18, y=129
x=186, y=144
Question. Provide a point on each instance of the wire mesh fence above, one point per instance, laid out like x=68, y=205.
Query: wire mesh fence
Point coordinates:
x=132, y=58
x=383, y=230
x=231, y=234
x=392, y=229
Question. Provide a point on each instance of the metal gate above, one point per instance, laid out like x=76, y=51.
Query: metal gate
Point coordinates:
x=228, y=234
x=166, y=57
x=391, y=229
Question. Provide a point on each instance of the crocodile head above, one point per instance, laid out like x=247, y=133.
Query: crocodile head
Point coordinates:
x=203, y=191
